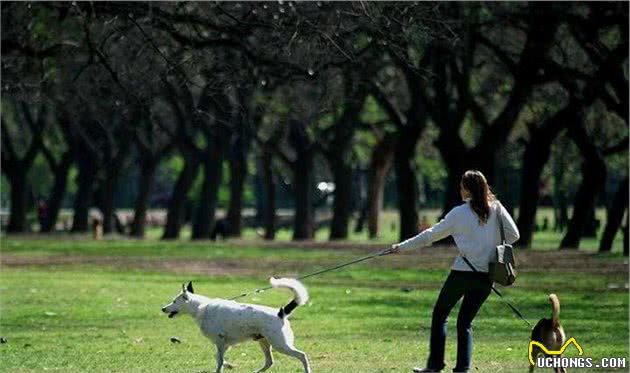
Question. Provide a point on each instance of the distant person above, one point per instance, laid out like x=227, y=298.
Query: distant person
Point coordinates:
x=545, y=225
x=97, y=229
x=474, y=227
x=42, y=212
x=424, y=223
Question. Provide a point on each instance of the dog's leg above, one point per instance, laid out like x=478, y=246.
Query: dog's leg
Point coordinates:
x=221, y=348
x=292, y=351
x=283, y=342
x=561, y=369
x=266, y=348
x=287, y=349
x=535, y=351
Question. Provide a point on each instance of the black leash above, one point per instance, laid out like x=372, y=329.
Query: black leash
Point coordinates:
x=319, y=272
x=497, y=292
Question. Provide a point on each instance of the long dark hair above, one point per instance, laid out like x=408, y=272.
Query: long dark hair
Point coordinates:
x=481, y=195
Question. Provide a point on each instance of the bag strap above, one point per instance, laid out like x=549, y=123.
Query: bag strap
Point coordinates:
x=469, y=263
x=500, y=219
x=497, y=292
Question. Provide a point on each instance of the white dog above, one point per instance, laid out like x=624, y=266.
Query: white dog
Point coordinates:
x=227, y=323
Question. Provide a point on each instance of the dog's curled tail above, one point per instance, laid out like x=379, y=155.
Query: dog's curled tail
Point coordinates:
x=555, y=310
x=299, y=292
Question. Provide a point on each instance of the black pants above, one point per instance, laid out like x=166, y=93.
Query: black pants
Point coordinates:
x=474, y=288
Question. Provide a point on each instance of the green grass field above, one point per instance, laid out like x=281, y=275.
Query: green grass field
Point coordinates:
x=78, y=306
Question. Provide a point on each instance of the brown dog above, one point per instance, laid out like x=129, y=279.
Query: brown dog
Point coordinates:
x=549, y=332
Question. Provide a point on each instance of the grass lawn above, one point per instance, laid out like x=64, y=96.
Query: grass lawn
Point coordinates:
x=99, y=309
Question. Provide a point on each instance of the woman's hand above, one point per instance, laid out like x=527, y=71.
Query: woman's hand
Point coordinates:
x=394, y=249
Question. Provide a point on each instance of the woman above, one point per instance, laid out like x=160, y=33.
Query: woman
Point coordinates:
x=474, y=227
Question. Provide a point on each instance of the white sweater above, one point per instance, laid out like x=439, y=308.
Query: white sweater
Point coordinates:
x=476, y=242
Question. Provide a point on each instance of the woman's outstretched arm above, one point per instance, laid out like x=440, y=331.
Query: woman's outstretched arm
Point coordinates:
x=442, y=229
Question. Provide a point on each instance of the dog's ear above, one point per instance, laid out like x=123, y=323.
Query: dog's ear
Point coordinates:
x=189, y=288
x=184, y=292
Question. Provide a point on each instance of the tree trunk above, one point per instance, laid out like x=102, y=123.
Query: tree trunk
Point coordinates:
x=302, y=168
x=407, y=186
x=19, y=201
x=83, y=198
x=593, y=176
x=106, y=202
x=112, y=174
x=380, y=164
x=179, y=197
x=560, y=202
x=259, y=195
x=625, y=233
x=591, y=223
x=207, y=204
x=269, y=188
x=459, y=159
x=455, y=156
x=147, y=171
x=58, y=192
x=359, y=199
x=593, y=179
x=563, y=213
x=303, y=180
x=342, y=176
x=406, y=183
x=483, y=159
x=360, y=224
x=535, y=156
x=452, y=197
x=16, y=168
x=614, y=218
x=238, y=174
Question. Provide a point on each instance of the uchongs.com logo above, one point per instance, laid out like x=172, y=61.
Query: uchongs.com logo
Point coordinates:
x=554, y=359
